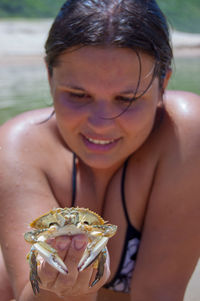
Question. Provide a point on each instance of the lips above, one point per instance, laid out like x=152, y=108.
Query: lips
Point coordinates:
x=99, y=143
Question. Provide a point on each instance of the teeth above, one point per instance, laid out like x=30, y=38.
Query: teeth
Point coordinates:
x=103, y=142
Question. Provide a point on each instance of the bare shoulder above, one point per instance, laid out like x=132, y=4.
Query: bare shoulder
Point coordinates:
x=29, y=136
x=177, y=181
x=23, y=157
x=183, y=111
x=27, y=125
x=27, y=149
x=183, y=107
x=170, y=242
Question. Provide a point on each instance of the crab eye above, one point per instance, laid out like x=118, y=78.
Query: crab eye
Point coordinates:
x=53, y=224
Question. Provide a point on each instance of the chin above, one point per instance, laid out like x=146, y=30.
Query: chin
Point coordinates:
x=101, y=162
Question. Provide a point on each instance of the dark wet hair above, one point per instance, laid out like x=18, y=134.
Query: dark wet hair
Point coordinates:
x=136, y=24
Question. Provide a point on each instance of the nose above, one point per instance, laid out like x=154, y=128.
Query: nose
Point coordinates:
x=101, y=115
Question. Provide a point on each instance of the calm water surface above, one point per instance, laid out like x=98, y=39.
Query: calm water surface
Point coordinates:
x=24, y=86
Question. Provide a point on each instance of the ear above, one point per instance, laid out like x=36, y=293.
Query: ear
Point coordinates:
x=49, y=76
x=164, y=86
x=166, y=79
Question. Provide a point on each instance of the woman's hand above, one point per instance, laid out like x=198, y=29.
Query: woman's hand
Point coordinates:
x=75, y=283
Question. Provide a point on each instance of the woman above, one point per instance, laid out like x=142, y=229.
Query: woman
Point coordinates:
x=119, y=144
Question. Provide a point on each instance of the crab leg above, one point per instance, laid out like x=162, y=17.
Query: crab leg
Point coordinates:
x=89, y=256
x=106, y=230
x=50, y=255
x=100, y=269
x=34, y=278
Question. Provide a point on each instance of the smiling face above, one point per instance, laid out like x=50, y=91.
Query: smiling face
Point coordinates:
x=91, y=86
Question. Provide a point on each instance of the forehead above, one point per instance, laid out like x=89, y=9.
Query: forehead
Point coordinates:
x=106, y=65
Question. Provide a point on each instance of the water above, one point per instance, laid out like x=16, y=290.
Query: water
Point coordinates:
x=24, y=85
x=186, y=74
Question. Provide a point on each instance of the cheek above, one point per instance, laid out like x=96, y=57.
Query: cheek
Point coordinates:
x=62, y=103
x=68, y=115
x=139, y=120
x=67, y=121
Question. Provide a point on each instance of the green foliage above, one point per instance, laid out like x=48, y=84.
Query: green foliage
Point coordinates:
x=30, y=8
x=183, y=15
x=186, y=75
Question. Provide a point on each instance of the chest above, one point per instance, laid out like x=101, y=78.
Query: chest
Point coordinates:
x=131, y=186
x=126, y=203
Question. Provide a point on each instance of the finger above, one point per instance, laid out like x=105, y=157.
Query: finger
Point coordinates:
x=86, y=277
x=74, y=254
x=81, y=284
x=47, y=273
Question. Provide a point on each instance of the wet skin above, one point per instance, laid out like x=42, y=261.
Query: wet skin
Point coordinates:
x=90, y=87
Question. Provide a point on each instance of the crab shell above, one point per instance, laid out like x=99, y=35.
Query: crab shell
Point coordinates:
x=64, y=216
x=68, y=221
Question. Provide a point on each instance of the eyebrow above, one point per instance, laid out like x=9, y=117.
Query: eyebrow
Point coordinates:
x=80, y=89
x=75, y=88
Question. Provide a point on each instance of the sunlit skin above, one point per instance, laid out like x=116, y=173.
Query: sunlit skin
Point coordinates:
x=91, y=87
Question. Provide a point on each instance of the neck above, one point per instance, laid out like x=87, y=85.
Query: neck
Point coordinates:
x=101, y=175
x=93, y=184
x=98, y=179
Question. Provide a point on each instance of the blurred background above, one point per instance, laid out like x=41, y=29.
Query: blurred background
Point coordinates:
x=24, y=26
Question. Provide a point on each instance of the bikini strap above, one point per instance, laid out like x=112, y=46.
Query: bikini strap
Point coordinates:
x=123, y=190
x=74, y=172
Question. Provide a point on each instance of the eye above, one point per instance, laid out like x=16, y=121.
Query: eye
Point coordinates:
x=78, y=95
x=86, y=223
x=53, y=224
x=125, y=99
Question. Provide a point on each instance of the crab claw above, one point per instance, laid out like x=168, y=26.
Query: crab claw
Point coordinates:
x=89, y=256
x=50, y=255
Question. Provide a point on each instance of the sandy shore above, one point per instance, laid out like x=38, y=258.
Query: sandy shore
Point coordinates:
x=23, y=38
x=26, y=38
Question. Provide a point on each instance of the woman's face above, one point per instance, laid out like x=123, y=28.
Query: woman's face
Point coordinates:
x=91, y=86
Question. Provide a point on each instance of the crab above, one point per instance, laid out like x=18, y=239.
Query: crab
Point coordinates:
x=68, y=221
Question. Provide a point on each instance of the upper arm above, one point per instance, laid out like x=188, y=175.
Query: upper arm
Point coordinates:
x=170, y=245
x=24, y=194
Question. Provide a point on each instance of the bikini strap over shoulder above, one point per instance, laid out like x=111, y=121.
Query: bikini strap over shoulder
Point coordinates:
x=123, y=190
x=74, y=172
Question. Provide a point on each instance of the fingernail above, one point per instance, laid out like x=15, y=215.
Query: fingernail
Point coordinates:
x=79, y=244
x=62, y=244
x=50, y=241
